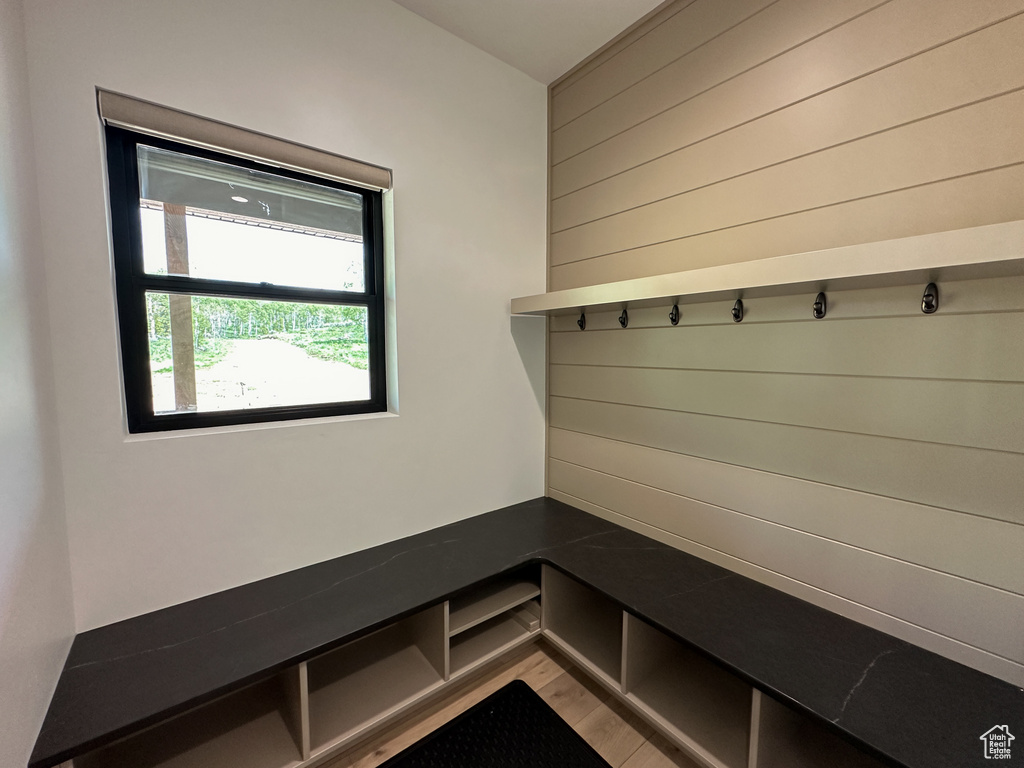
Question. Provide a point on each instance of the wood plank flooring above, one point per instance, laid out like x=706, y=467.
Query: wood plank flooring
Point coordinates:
x=621, y=738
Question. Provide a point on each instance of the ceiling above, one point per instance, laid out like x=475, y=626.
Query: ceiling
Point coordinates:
x=543, y=38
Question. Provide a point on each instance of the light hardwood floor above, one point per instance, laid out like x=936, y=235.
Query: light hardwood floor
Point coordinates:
x=618, y=735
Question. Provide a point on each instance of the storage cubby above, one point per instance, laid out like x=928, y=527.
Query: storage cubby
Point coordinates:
x=373, y=679
x=306, y=714
x=486, y=622
x=255, y=727
x=584, y=624
x=703, y=707
x=485, y=642
x=472, y=608
x=787, y=739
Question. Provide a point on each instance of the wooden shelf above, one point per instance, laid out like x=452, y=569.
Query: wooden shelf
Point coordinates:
x=371, y=680
x=486, y=641
x=480, y=605
x=584, y=623
x=249, y=727
x=705, y=709
x=996, y=250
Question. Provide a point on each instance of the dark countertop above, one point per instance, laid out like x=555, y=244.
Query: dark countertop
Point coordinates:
x=904, y=704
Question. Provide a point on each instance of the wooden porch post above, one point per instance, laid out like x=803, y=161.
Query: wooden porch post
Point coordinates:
x=182, y=343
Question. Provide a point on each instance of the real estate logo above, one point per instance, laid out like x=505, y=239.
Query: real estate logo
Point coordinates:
x=997, y=742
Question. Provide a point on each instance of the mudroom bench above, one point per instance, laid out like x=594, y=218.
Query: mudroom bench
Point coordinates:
x=292, y=669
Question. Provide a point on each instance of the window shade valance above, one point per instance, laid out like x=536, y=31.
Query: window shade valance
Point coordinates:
x=146, y=117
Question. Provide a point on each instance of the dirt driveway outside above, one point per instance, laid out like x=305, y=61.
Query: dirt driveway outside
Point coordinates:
x=260, y=373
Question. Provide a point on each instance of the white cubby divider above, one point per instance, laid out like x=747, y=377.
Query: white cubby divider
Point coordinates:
x=301, y=716
x=296, y=692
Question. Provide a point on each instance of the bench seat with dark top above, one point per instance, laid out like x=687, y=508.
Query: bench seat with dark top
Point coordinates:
x=902, y=705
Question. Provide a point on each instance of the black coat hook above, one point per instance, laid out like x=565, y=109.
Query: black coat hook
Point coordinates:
x=820, y=306
x=930, y=300
x=624, y=319
x=673, y=315
x=582, y=322
x=737, y=311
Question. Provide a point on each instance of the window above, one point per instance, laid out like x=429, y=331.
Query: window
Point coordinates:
x=245, y=292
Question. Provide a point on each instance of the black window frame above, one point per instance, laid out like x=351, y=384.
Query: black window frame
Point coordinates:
x=132, y=282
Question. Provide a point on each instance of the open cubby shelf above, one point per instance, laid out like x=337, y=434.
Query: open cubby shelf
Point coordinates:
x=477, y=606
x=789, y=740
x=486, y=641
x=696, y=702
x=364, y=682
x=490, y=620
x=306, y=713
x=676, y=663
x=252, y=722
x=584, y=624
x=717, y=719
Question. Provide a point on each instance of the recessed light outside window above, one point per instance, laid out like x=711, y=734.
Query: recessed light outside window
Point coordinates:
x=240, y=199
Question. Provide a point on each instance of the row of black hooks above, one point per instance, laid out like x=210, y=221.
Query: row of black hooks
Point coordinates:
x=929, y=305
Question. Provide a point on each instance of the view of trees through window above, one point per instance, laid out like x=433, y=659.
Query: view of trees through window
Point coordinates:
x=222, y=353
x=249, y=353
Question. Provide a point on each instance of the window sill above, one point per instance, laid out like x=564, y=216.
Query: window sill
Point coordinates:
x=142, y=437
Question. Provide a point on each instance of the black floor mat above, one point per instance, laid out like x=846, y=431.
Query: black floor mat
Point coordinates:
x=511, y=728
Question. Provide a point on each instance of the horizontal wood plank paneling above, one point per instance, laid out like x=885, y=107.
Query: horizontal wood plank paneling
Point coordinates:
x=967, y=70
x=894, y=625
x=920, y=595
x=693, y=25
x=978, y=549
x=896, y=30
x=781, y=26
x=984, y=198
x=974, y=414
x=968, y=140
x=618, y=44
x=984, y=483
x=872, y=462
x=983, y=347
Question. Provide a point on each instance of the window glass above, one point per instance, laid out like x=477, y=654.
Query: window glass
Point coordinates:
x=247, y=226
x=245, y=353
x=245, y=292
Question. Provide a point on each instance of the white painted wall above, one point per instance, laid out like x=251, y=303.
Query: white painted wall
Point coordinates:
x=155, y=521
x=36, y=617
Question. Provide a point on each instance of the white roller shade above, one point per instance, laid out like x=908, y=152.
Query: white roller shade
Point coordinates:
x=153, y=119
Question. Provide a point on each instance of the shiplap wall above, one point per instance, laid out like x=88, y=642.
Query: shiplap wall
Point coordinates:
x=871, y=462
